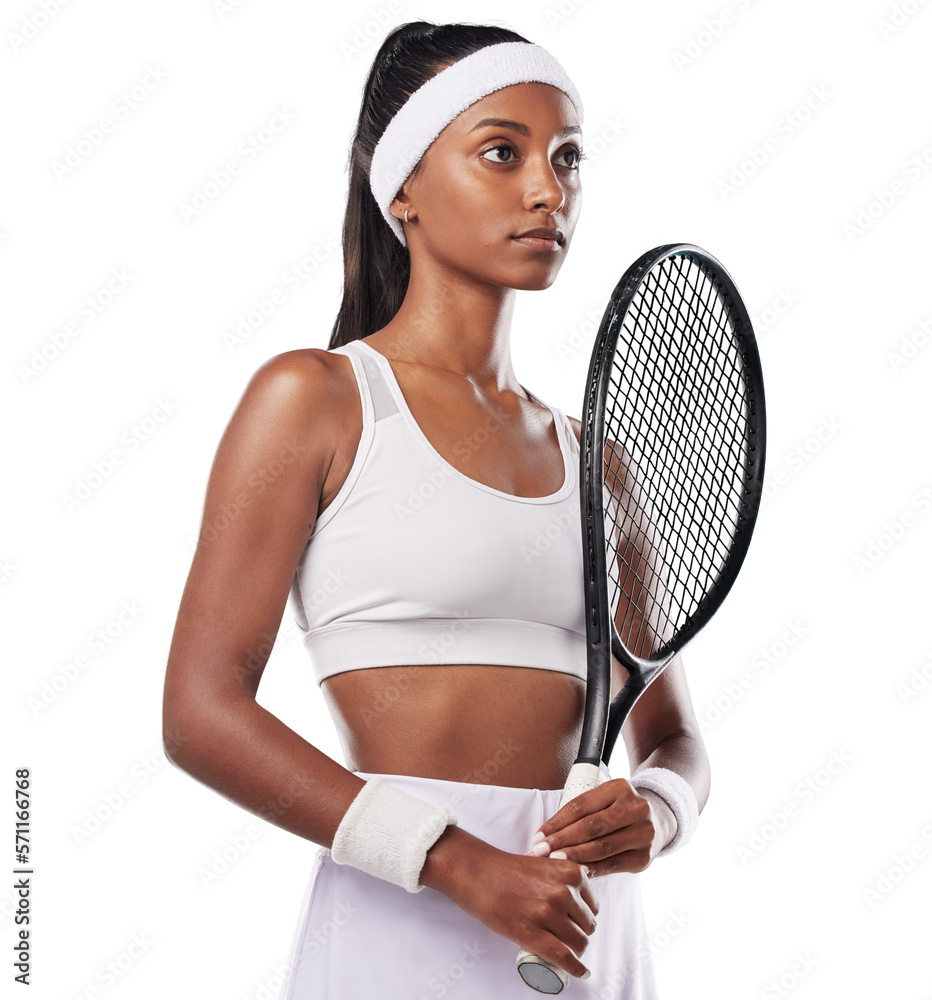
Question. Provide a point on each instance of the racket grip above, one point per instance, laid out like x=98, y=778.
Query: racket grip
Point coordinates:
x=537, y=972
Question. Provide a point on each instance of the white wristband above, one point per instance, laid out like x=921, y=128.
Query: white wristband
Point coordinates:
x=387, y=832
x=678, y=794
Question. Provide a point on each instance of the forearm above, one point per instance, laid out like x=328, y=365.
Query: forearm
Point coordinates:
x=684, y=754
x=252, y=758
x=455, y=856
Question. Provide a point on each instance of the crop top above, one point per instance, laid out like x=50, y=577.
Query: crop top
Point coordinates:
x=415, y=563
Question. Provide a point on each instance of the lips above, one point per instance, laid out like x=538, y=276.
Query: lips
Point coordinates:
x=543, y=233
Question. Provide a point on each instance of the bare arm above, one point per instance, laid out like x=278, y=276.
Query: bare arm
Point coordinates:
x=262, y=500
x=263, y=494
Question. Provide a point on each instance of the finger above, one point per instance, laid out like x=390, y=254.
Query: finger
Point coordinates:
x=615, y=796
x=574, y=924
x=554, y=950
x=592, y=800
x=635, y=861
x=620, y=827
x=588, y=852
x=589, y=897
x=589, y=839
x=584, y=914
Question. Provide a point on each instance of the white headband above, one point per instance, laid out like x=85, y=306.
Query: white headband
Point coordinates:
x=437, y=102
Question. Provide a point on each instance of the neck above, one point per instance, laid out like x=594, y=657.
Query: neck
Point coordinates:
x=460, y=326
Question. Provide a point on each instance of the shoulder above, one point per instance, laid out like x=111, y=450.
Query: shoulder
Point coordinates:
x=308, y=382
x=306, y=396
x=309, y=367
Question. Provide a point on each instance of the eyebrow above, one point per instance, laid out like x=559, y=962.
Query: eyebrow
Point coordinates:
x=521, y=128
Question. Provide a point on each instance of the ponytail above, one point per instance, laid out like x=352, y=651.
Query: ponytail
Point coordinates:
x=376, y=267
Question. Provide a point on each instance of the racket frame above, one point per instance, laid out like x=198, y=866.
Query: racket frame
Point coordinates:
x=603, y=721
x=604, y=717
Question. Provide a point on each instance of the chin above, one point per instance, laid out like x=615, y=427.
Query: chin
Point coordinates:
x=539, y=283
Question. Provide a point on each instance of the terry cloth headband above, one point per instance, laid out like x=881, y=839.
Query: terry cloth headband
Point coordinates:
x=438, y=101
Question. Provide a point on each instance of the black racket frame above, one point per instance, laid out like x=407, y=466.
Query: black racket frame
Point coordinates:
x=602, y=722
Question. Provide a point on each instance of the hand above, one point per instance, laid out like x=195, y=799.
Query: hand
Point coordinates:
x=544, y=905
x=610, y=828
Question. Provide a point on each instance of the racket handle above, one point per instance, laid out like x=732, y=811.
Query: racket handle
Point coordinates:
x=537, y=972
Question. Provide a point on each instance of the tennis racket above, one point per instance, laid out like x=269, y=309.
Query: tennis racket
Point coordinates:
x=673, y=441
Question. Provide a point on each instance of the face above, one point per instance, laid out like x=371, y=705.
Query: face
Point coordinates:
x=480, y=185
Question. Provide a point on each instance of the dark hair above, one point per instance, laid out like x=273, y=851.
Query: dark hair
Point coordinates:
x=376, y=267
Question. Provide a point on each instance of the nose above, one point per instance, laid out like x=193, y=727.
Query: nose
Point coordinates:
x=543, y=188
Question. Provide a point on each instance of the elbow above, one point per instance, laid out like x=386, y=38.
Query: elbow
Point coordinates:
x=176, y=739
x=695, y=756
x=702, y=766
x=196, y=731
x=183, y=729
x=185, y=709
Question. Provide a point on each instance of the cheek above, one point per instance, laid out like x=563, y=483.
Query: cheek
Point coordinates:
x=469, y=216
x=573, y=203
x=467, y=195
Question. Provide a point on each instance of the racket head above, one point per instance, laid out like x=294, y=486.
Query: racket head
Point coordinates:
x=675, y=369
x=679, y=398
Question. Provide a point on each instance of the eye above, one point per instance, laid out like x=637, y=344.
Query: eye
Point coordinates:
x=495, y=149
x=575, y=151
x=580, y=155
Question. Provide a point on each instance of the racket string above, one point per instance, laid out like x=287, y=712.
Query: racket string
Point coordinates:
x=671, y=492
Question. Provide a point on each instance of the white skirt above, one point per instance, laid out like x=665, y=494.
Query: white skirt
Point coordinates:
x=360, y=937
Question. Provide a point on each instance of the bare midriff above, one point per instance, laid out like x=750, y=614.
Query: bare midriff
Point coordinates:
x=483, y=723
x=490, y=724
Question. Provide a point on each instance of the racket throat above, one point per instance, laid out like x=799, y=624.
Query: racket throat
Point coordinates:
x=618, y=711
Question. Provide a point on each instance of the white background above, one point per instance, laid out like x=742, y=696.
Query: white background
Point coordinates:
x=790, y=139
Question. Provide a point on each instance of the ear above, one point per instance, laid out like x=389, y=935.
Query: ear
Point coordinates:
x=398, y=206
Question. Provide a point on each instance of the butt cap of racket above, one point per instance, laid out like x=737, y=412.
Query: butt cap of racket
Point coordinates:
x=541, y=975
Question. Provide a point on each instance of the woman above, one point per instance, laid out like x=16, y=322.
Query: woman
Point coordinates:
x=407, y=481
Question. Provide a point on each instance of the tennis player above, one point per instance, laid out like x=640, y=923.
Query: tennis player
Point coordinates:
x=421, y=509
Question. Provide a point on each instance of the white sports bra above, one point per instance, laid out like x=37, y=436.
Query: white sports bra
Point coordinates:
x=415, y=563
